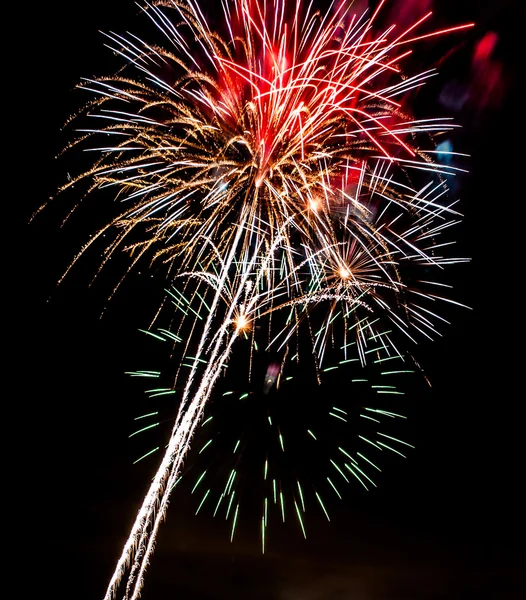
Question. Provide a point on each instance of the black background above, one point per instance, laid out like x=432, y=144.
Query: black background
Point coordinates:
x=446, y=523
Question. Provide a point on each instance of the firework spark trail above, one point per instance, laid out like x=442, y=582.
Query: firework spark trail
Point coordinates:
x=274, y=168
x=140, y=543
x=185, y=423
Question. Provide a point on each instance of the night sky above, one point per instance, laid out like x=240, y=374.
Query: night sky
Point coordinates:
x=448, y=522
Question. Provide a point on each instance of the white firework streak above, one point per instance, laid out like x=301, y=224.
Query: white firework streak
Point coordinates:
x=141, y=541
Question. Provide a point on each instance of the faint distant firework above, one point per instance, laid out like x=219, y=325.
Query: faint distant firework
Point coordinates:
x=271, y=163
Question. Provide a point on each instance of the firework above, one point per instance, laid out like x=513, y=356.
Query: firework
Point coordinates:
x=272, y=166
x=274, y=439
